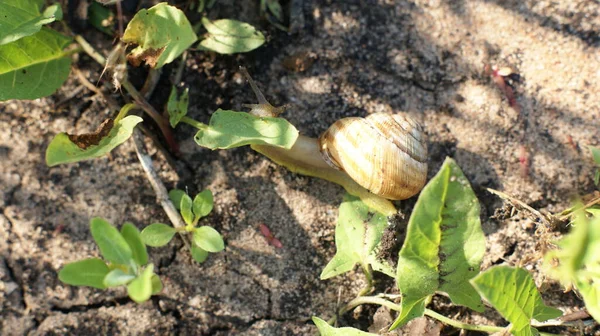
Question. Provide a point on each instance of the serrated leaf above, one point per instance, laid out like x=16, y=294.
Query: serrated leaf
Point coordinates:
x=117, y=277
x=63, y=150
x=357, y=235
x=140, y=289
x=229, y=129
x=157, y=234
x=576, y=262
x=514, y=295
x=199, y=254
x=185, y=207
x=162, y=33
x=177, y=106
x=203, y=204
x=175, y=196
x=326, y=330
x=112, y=245
x=101, y=18
x=134, y=240
x=21, y=18
x=208, y=239
x=157, y=285
x=228, y=36
x=88, y=272
x=34, y=66
x=444, y=245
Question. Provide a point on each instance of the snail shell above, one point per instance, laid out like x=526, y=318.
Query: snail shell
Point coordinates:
x=384, y=153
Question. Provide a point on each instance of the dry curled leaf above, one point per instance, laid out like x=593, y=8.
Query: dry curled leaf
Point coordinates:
x=86, y=140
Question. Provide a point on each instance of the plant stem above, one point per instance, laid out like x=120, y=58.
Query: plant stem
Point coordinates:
x=461, y=325
x=369, y=276
x=96, y=56
x=369, y=300
x=194, y=123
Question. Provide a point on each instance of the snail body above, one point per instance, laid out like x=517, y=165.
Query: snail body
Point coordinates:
x=384, y=153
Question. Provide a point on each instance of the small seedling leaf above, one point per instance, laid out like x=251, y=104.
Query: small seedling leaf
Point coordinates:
x=228, y=36
x=34, y=66
x=101, y=18
x=357, y=235
x=162, y=33
x=117, y=277
x=203, y=204
x=112, y=245
x=513, y=293
x=444, y=245
x=595, y=154
x=133, y=238
x=177, y=106
x=576, y=262
x=199, y=254
x=275, y=8
x=185, y=207
x=157, y=285
x=87, y=272
x=208, y=239
x=175, y=196
x=229, y=129
x=66, y=148
x=157, y=234
x=21, y=18
x=140, y=289
x=326, y=330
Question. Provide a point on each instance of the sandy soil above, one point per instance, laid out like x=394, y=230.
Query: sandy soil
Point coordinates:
x=425, y=58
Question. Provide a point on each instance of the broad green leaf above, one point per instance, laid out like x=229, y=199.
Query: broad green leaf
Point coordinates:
x=199, y=254
x=66, y=148
x=88, y=272
x=175, y=196
x=577, y=260
x=326, y=330
x=101, y=18
x=162, y=33
x=444, y=245
x=185, y=207
x=140, y=289
x=357, y=235
x=177, y=106
x=112, y=245
x=228, y=36
x=514, y=295
x=208, y=239
x=157, y=285
x=157, y=234
x=21, y=18
x=203, y=204
x=229, y=129
x=34, y=66
x=117, y=277
x=133, y=238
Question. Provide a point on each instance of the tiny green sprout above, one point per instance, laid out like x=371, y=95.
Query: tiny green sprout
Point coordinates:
x=205, y=239
x=125, y=263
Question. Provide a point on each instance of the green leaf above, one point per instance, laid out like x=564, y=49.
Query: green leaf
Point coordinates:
x=177, y=106
x=326, y=330
x=513, y=293
x=175, y=196
x=199, y=254
x=101, y=18
x=134, y=240
x=140, y=289
x=34, y=66
x=157, y=234
x=203, y=204
x=66, y=148
x=229, y=129
x=112, y=245
x=357, y=236
x=577, y=260
x=208, y=239
x=162, y=33
x=186, y=209
x=157, y=285
x=230, y=36
x=275, y=8
x=444, y=245
x=21, y=18
x=595, y=154
x=117, y=277
x=87, y=272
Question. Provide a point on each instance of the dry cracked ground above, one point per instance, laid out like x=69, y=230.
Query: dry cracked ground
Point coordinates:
x=426, y=58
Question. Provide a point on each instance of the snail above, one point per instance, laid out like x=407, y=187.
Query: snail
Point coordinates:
x=379, y=158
